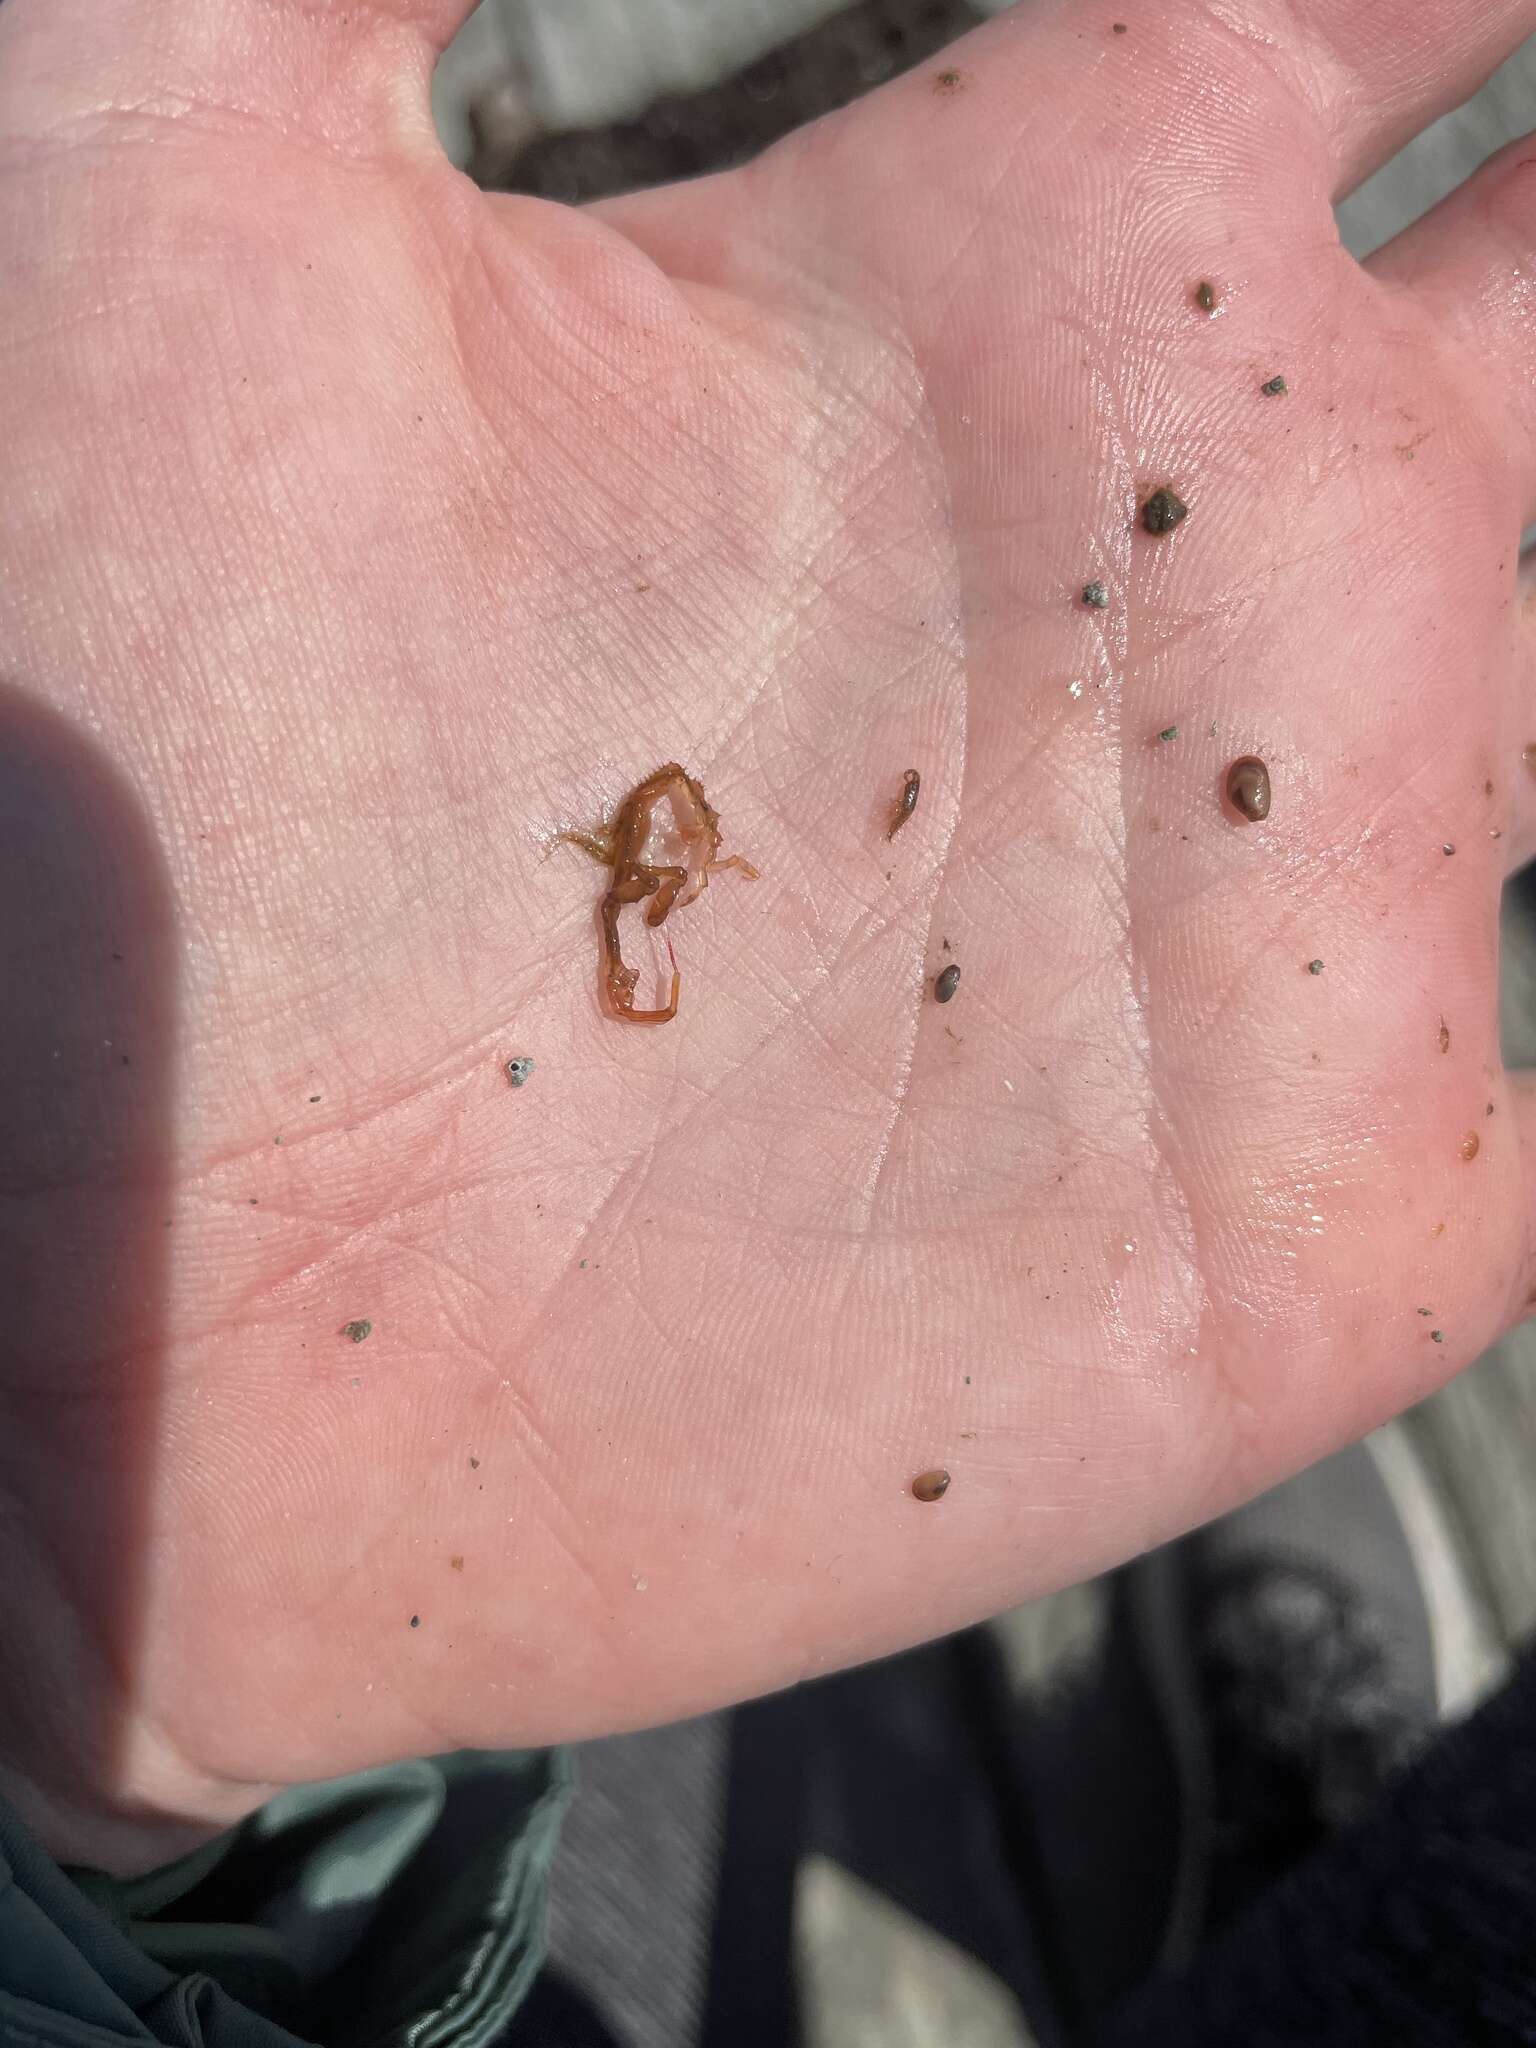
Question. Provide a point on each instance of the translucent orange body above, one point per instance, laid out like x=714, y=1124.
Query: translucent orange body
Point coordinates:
x=626, y=846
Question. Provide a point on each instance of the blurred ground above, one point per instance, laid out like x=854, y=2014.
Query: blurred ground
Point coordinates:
x=572, y=99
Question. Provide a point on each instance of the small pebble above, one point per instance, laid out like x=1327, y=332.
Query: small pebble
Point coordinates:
x=1163, y=511
x=358, y=1330
x=930, y=1485
x=1096, y=595
x=415, y=1621
x=518, y=1071
x=1205, y=296
x=1437, y=1336
x=945, y=985
x=1314, y=967
x=1169, y=732
x=1471, y=1145
x=1447, y=849
x=1275, y=388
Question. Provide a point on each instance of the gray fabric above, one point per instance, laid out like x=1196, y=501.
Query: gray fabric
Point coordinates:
x=635, y=1879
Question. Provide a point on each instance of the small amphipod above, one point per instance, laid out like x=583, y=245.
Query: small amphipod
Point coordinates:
x=906, y=803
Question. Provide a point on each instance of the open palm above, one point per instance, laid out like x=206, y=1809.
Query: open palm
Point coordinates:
x=362, y=533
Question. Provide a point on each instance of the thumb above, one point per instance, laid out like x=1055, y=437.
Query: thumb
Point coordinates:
x=353, y=74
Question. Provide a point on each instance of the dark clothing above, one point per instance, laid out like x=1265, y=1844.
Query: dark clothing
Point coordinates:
x=402, y=1904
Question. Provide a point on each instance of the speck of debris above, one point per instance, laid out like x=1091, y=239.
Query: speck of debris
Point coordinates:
x=415, y=1621
x=1314, y=967
x=1426, y=1311
x=946, y=983
x=1163, y=511
x=1489, y=1110
x=967, y=1379
x=1096, y=595
x=474, y=1464
x=358, y=1329
x=1119, y=27
x=356, y=1381
x=1437, y=1336
x=278, y=1139
x=946, y=81
x=1445, y=1036
x=456, y=1564
x=1276, y=387
x=945, y=947
x=1205, y=295
x=314, y=1098
x=518, y=1070
x=1169, y=732
x=1471, y=1145
x=1447, y=849
x=583, y=1265
x=253, y=1201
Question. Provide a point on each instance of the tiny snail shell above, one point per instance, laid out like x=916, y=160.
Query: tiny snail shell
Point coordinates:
x=1248, y=788
x=930, y=1485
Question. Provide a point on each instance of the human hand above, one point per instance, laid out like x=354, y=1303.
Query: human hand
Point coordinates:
x=363, y=532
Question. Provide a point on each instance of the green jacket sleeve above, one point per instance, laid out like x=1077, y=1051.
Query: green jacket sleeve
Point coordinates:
x=402, y=1907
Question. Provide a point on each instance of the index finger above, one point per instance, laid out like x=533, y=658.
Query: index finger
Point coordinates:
x=1379, y=71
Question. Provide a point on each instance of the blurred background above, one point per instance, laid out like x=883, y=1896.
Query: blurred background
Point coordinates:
x=991, y=1840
